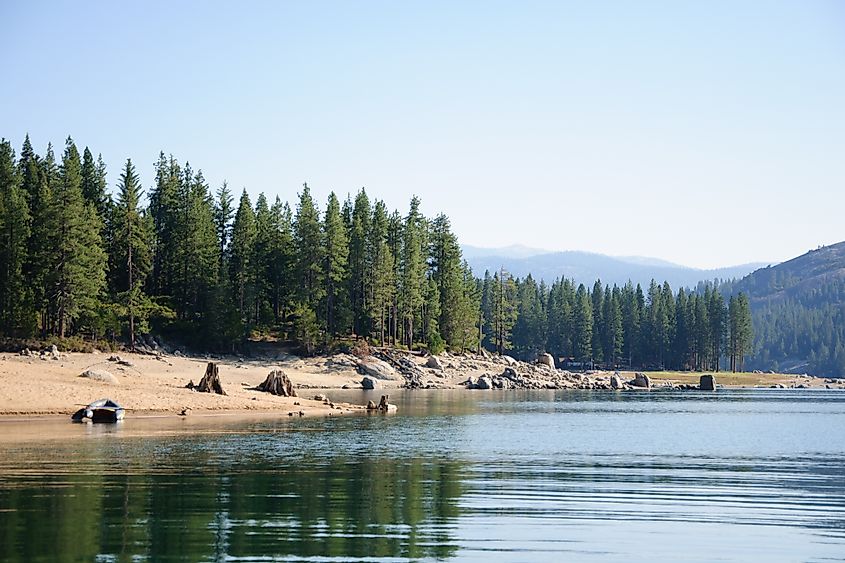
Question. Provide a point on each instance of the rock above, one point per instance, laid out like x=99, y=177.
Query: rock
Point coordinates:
x=707, y=382
x=321, y=397
x=484, y=382
x=370, y=383
x=26, y=352
x=54, y=352
x=433, y=362
x=546, y=360
x=376, y=368
x=616, y=381
x=371, y=405
x=641, y=380
x=100, y=375
x=471, y=383
x=509, y=360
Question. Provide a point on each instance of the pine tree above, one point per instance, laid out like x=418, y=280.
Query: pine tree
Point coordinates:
x=360, y=257
x=15, y=297
x=132, y=261
x=413, y=279
x=262, y=257
x=223, y=215
x=597, y=298
x=94, y=184
x=336, y=252
x=78, y=262
x=242, y=256
x=308, y=242
x=583, y=326
x=504, y=310
x=383, y=280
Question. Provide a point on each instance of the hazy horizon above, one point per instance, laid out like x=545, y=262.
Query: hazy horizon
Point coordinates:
x=706, y=135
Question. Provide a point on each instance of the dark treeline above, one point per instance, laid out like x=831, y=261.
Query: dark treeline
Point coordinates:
x=613, y=326
x=212, y=272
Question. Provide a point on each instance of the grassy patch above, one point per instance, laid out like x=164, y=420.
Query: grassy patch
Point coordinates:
x=739, y=379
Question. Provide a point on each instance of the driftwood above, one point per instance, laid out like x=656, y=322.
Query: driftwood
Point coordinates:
x=210, y=382
x=277, y=383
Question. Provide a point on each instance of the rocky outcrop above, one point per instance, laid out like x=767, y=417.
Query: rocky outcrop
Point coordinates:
x=707, y=382
x=484, y=382
x=100, y=375
x=374, y=367
x=433, y=362
x=370, y=383
x=546, y=360
x=641, y=380
x=616, y=381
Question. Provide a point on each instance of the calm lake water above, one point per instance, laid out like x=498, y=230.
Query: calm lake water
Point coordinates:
x=756, y=475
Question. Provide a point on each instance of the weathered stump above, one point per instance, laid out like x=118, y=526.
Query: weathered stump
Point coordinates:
x=210, y=382
x=278, y=383
x=382, y=405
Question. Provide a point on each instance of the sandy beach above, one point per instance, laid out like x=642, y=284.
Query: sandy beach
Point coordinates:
x=30, y=385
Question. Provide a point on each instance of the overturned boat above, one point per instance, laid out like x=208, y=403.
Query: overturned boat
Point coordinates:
x=104, y=410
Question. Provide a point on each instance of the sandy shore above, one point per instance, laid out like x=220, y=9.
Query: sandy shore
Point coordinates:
x=30, y=385
x=42, y=385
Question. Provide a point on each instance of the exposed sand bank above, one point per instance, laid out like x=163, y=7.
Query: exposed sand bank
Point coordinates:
x=32, y=386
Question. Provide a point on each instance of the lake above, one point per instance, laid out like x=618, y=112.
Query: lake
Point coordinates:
x=735, y=475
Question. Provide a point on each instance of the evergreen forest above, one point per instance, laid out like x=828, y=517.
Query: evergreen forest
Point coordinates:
x=213, y=270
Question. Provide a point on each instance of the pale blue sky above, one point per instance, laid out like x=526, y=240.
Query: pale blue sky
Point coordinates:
x=706, y=133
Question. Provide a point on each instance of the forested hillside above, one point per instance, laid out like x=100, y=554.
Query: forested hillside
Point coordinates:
x=78, y=259
x=798, y=312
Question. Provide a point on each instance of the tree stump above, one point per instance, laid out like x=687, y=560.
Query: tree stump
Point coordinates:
x=210, y=382
x=277, y=383
x=382, y=405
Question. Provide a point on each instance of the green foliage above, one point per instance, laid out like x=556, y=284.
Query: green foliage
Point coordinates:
x=16, y=317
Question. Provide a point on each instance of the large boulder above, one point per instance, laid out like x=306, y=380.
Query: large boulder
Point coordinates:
x=641, y=380
x=484, y=382
x=615, y=381
x=434, y=362
x=509, y=373
x=546, y=360
x=707, y=382
x=376, y=368
x=370, y=383
x=100, y=375
x=509, y=360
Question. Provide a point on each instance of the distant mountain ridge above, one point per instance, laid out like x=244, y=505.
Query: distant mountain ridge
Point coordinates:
x=586, y=267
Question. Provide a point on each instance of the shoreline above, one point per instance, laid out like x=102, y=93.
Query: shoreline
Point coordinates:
x=39, y=385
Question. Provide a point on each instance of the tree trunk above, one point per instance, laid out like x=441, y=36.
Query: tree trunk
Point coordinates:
x=277, y=383
x=210, y=382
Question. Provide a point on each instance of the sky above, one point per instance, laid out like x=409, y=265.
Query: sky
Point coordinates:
x=704, y=133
